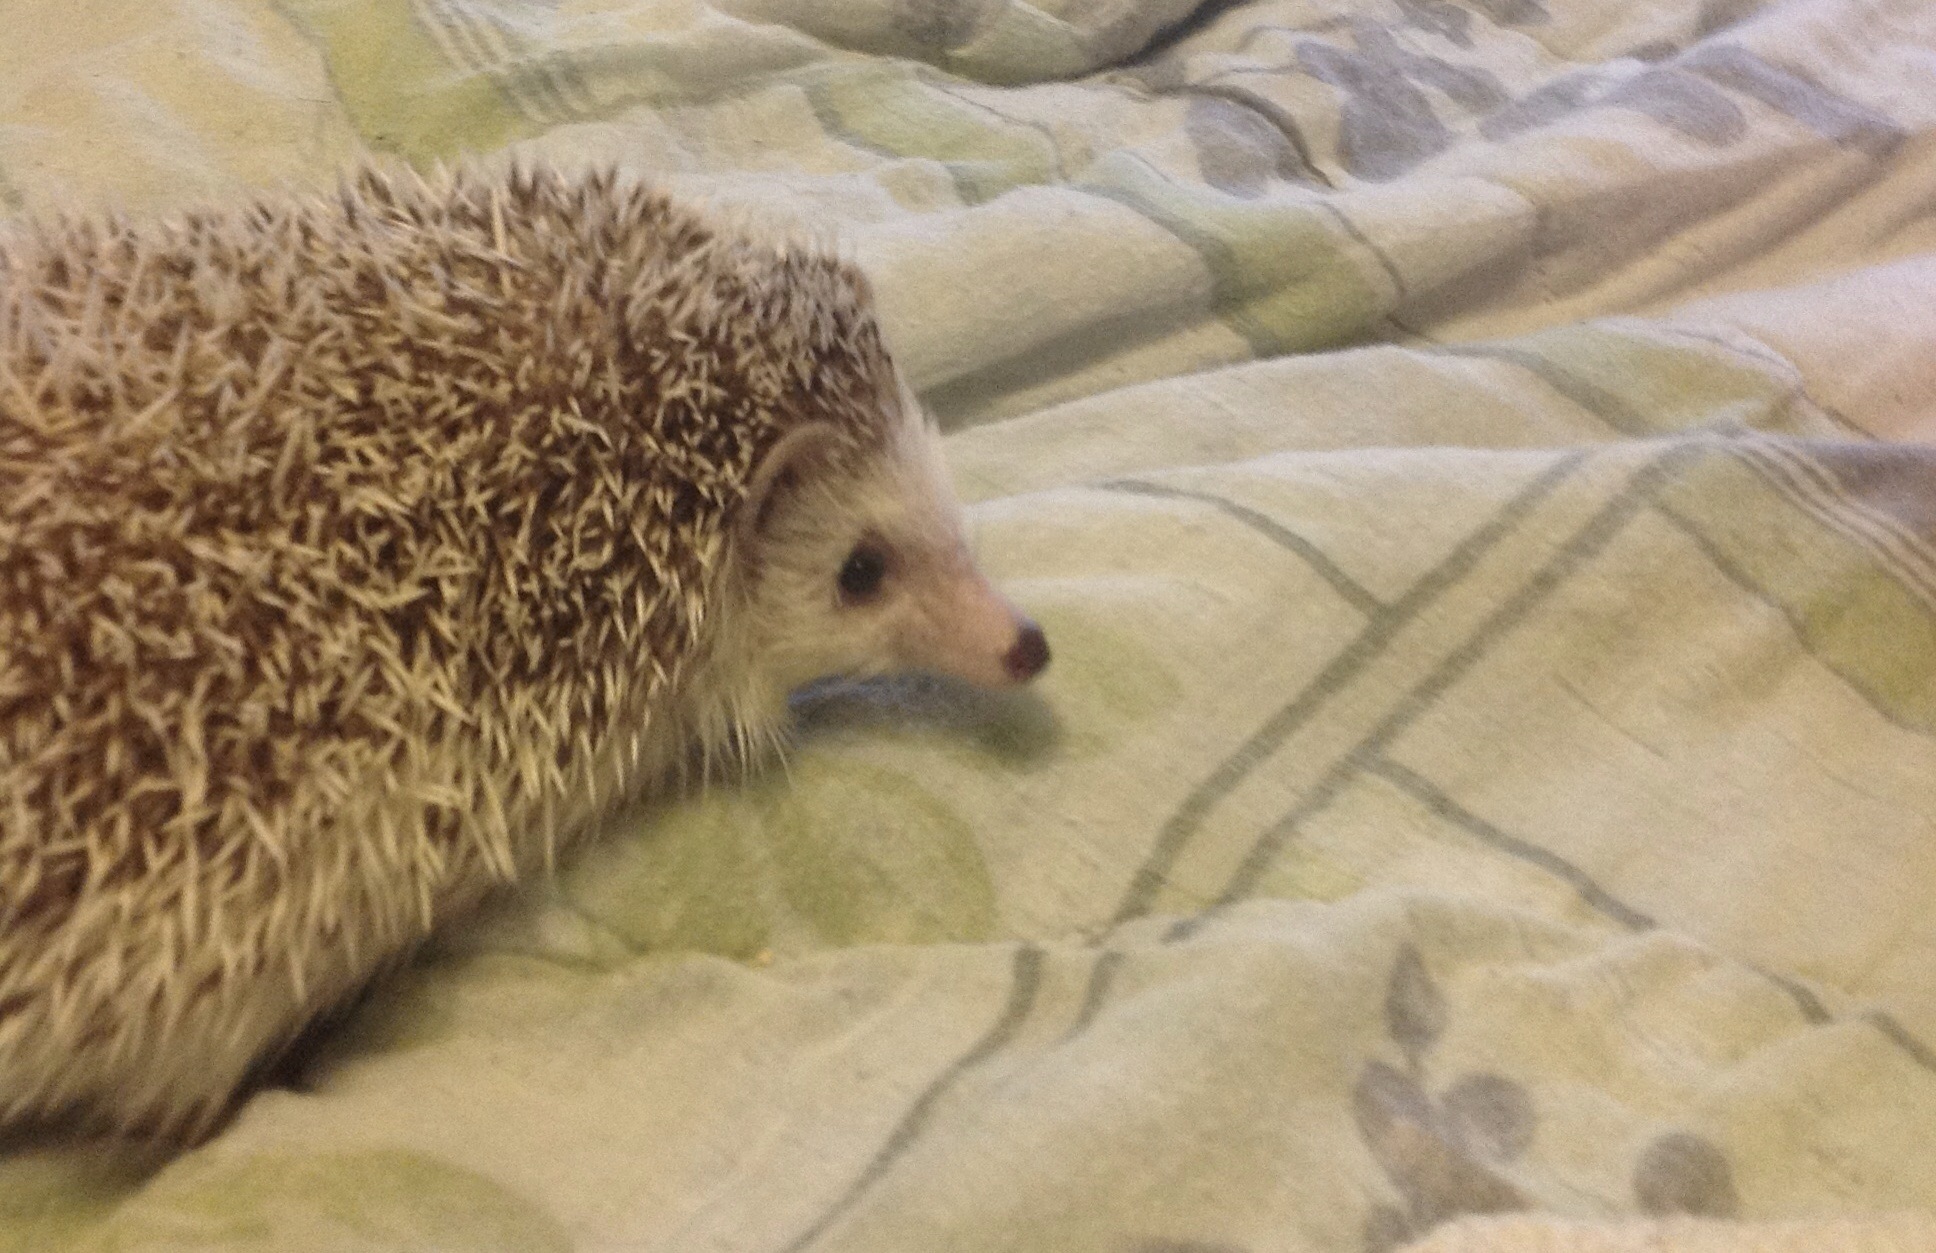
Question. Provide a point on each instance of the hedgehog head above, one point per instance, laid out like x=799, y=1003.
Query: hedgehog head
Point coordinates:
x=842, y=552
x=856, y=564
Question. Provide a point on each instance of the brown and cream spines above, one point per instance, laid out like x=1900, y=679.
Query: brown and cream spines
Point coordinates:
x=351, y=547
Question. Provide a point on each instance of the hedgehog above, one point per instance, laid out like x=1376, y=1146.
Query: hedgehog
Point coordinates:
x=360, y=549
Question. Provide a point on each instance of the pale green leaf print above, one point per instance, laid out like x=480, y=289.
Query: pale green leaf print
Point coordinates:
x=871, y=856
x=293, y=1203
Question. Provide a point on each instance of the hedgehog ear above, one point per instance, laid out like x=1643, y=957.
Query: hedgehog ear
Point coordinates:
x=781, y=470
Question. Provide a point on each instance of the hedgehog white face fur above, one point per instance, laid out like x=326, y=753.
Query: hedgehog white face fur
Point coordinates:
x=360, y=551
x=863, y=571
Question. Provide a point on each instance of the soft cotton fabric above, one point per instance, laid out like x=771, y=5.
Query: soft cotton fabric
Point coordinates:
x=1467, y=459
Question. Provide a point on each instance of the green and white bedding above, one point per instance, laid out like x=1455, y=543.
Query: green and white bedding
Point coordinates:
x=1465, y=454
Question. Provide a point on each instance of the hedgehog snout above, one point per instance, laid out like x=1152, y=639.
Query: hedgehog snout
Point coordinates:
x=1030, y=656
x=971, y=631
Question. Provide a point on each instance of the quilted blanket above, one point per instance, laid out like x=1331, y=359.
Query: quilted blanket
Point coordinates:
x=1476, y=463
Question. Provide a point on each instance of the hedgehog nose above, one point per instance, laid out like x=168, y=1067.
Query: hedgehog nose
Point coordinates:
x=1029, y=655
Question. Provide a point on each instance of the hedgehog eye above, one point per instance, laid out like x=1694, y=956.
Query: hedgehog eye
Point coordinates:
x=862, y=573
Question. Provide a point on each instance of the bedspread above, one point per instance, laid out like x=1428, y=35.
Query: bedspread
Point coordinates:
x=1471, y=459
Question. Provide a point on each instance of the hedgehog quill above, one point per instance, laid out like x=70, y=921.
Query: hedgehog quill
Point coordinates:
x=358, y=552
